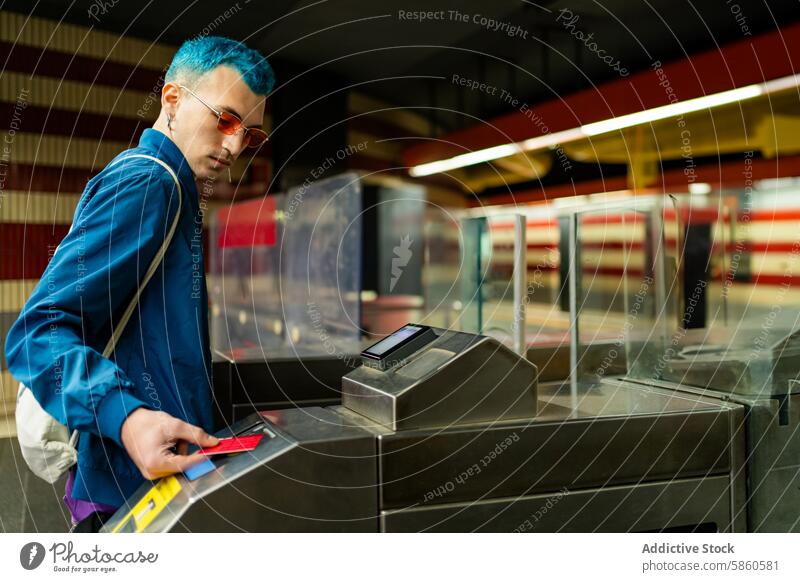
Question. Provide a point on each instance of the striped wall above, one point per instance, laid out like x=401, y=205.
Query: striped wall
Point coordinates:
x=70, y=100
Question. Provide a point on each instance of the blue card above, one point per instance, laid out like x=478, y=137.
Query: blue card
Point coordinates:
x=196, y=471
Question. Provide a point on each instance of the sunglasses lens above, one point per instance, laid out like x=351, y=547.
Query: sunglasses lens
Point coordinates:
x=228, y=123
x=255, y=137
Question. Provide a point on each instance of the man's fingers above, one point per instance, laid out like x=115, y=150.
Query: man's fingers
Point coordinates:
x=193, y=434
x=169, y=464
x=182, y=462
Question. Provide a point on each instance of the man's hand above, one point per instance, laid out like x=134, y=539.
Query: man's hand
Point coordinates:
x=150, y=438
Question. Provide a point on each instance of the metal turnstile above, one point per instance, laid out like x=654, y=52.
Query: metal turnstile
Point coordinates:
x=455, y=434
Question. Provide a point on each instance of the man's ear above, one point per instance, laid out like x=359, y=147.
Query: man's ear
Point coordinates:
x=170, y=98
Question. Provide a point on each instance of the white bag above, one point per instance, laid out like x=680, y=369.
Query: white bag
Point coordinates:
x=46, y=445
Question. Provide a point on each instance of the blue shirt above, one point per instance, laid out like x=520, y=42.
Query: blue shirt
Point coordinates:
x=162, y=361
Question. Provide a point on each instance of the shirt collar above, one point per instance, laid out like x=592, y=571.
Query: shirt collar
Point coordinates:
x=165, y=149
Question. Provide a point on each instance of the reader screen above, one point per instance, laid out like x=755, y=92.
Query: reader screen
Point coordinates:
x=387, y=344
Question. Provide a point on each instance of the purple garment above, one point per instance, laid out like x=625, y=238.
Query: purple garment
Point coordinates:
x=78, y=508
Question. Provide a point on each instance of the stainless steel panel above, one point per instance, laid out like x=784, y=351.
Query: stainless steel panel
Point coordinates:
x=552, y=361
x=616, y=434
x=766, y=460
x=314, y=472
x=746, y=361
x=316, y=487
x=775, y=501
x=668, y=505
x=773, y=464
x=738, y=473
x=479, y=380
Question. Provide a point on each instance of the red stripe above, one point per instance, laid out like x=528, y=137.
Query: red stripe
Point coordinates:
x=42, y=120
x=531, y=246
x=43, y=178
x=48, y=62
x=25, y=250
x=546, y=222
x=248, y=224
x=63, y=65
x=732, y=247
x=767, y=279
x=507, y=269
x=728, y=174
x=767, y=247
x=772, y=215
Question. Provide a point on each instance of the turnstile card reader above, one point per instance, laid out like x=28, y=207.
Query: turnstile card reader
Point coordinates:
x=393, y=350
x=451, y=378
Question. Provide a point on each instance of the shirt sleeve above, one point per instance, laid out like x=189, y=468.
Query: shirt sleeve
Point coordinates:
x=56, y=345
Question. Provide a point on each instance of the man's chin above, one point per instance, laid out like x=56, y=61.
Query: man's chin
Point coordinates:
x=207, y=173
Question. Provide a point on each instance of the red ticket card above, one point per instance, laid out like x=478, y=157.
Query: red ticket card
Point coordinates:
x=234, y=445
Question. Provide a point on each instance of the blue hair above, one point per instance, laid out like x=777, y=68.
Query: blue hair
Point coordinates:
x=199, y=56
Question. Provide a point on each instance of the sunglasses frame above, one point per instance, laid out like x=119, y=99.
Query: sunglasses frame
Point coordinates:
x=250, y=130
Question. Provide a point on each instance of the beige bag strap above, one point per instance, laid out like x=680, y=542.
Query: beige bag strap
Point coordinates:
x=117, y=332
x=112, y=341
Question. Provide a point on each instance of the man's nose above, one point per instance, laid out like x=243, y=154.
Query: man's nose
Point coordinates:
x=234, y=143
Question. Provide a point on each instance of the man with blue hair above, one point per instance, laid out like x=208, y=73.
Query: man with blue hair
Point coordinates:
x=139, y=408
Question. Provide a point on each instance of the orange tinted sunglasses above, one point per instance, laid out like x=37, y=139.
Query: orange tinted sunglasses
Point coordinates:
x=230, y=124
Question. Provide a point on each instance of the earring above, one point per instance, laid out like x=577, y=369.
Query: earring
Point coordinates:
x=169, y=121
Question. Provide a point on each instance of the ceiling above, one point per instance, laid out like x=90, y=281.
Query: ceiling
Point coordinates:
x=410, y=63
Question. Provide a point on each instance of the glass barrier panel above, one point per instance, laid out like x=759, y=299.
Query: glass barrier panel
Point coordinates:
x=443, y=269
x=488, y=277
x=321, y=266
x=244, y=280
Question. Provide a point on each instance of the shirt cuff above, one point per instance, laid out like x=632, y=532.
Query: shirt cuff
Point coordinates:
x=112, y=412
